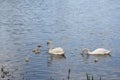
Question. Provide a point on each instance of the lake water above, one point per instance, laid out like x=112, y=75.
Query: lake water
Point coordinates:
x=70, y=24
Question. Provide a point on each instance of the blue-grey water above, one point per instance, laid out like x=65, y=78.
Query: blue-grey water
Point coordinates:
x=70, y=24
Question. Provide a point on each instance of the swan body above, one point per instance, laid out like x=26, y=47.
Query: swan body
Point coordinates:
x=56, y=51
x=98, y=51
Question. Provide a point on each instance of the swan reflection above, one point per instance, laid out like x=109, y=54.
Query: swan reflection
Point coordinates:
x=95, y=57
x=55, y=57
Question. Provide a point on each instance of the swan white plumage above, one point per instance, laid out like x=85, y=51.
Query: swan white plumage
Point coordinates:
x=97, y=51
x=56, y=51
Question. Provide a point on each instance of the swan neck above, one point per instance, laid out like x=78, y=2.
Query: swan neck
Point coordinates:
x=51, y=46
x=88, y=51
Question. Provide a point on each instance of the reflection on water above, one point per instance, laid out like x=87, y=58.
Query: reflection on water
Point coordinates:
x=72, y=25
x=55, y=57
x=96, y=58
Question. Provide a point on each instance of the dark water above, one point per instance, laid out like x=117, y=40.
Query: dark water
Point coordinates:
x=70, y=24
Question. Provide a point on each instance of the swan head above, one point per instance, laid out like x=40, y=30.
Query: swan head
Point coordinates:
x=49, y=42
x=85, y=50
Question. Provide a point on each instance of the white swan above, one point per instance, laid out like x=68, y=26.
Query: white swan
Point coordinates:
x=56, y=51
x=97, y=51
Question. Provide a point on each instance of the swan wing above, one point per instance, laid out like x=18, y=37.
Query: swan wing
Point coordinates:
x=58, y=51
x=101, y=51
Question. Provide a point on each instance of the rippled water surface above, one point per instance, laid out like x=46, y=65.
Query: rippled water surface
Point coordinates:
x=70, y=24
